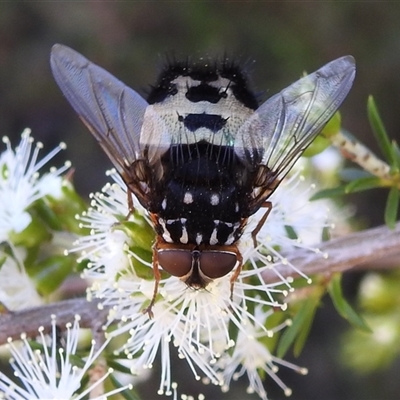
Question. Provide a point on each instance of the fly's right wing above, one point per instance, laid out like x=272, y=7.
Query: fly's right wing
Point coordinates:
x=278, y=132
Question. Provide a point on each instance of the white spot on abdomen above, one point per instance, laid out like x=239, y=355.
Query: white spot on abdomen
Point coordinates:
x=199, y=238
x=188, y=198
x=166, y=235
x=213, y=238
x=230, y=240
x=214, y=199
x=184, y=238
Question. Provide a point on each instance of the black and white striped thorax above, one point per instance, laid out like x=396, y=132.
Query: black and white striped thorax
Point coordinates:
x=204, y=193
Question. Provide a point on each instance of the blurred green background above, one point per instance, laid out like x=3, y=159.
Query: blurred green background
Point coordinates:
x=285, y=38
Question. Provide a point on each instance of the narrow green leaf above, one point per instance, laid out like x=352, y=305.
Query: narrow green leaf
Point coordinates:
x=392, y=207
x=343, y=307
x=305, y=329
x=301, y=318
x=290, y=232
x=358, y=185
x=130, y=394
x=2, y=260
x=233, y=333
x=117, y=366
x=329, y=193
x=47, y=214
x=326, y=234
x=396, y=157
x=379, y=130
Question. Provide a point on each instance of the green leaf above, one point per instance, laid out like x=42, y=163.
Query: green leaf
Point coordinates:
x=305, y=329
x=392, y=207
x=34, y=234
x=317, y=146
x=329, y=193
x=118, y=366
x=300, y=327
x=333, y=125
x=396, y=157
x=343, y=307
x=67, y=207
x=233, y=334
x=290, y=232
x=379, y=130
x=2, y=260
x=358, y=185
x=326, y=234
x=126, y=394
x=47, y=214
x=139, y=231
x=51, y=272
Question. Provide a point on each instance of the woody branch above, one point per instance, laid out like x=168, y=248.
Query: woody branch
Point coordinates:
x=357, y=250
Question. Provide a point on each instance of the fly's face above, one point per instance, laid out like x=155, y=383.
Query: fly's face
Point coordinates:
x=200, y=154
x=195, y=266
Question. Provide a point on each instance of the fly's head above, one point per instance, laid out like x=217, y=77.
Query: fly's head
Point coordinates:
x=197, y=266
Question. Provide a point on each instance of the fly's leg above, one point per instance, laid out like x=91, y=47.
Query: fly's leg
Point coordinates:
x=131, y=208
x=261, y=222
x=157, y=278
x=236, y=274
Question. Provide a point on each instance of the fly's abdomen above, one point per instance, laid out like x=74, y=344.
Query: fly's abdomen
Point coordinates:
x=202, y=202
x=199, y=215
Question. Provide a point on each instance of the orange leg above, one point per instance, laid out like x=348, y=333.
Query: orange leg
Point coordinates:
x=131, y=208
x=157, y=278
x=236, y=274
x=261, y=222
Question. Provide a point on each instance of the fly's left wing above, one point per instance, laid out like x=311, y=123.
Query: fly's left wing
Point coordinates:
x=278, y=132
x=129, y=131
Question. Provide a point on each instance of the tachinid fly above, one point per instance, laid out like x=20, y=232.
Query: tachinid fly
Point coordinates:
x=200, y=154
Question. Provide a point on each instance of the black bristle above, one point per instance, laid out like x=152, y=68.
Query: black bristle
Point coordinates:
x=205, y=71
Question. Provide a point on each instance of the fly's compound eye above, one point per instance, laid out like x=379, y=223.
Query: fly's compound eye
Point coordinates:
x=215, y=264
x=176, y=262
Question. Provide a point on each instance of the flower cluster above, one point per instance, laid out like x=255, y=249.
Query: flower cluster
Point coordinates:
x=49, y=372
x=21, y=187
x=206, y=327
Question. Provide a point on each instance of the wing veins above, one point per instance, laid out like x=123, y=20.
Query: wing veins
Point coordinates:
x=295, y=116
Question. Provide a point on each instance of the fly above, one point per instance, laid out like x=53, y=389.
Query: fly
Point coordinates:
x=200, y=153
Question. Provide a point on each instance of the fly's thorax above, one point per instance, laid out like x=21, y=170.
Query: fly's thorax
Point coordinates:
x=202, y=101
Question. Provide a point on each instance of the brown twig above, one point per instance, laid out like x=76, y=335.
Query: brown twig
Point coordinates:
x=345, y=253
x=12, y=324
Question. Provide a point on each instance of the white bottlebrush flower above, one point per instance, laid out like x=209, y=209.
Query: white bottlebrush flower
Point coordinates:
x=187, y=320
x=293, y=222
x=251, y=357
x=49, y=373
x=21, y=184
x=196, y=323
x=17, y=290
